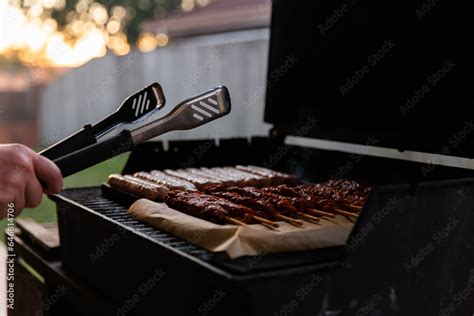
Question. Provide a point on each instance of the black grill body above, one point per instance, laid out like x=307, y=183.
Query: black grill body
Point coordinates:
x=407, y=208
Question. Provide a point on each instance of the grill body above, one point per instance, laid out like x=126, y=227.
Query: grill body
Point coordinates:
x=116, y=255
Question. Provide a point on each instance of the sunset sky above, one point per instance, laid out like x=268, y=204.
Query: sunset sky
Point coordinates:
x=29, y=34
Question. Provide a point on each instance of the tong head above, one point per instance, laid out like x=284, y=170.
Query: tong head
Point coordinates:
x=141, y=103
x=133, y=109
x=203, y=108
x=189, y=114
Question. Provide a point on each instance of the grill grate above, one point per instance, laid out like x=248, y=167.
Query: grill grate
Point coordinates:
x=92, y=198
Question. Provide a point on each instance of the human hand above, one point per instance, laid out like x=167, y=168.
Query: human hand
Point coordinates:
x=21, y=173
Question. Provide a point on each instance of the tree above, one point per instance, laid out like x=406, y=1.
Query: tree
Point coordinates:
x=136, y=12
x=70, y=32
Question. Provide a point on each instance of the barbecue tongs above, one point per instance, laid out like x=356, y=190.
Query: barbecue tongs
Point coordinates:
x=132, y=110
x=188, y=114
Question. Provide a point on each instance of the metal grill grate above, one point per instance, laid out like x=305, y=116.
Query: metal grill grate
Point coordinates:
x=92, y=198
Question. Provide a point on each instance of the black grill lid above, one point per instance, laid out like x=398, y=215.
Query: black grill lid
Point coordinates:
x=399, y=72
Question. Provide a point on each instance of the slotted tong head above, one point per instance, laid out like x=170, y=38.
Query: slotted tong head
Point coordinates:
x=85, y=148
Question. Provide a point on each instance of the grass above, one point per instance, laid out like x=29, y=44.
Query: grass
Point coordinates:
x=46, y=211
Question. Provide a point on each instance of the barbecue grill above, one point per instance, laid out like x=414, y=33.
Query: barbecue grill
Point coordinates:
x=411, y=250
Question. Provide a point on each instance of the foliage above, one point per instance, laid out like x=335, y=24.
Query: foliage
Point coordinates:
x=65, y=12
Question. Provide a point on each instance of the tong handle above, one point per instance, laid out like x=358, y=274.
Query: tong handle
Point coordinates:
x=82, y=138
x=103, y=127
x=95, y=153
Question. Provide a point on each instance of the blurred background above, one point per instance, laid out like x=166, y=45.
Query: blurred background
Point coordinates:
x=64, y=64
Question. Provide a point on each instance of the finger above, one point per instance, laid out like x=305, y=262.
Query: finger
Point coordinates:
x=49, y=173
x=33, y=193
x=19, y=203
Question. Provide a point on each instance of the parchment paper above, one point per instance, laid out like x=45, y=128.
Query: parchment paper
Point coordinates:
x=239, y=241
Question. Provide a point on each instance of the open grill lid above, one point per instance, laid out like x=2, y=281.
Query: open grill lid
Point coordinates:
x=398, y=73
